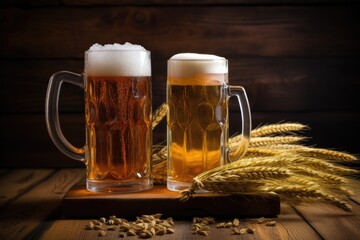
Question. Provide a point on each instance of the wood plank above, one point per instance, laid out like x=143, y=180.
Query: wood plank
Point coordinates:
x=75, y=230
x=229, y=31
x=272, y=84
x=354, y=185
x=16, y=182
x=24, y=214
x=37, y=3
x=338, y=131
x=289, y=226
x=78, y=200
x=331, y=222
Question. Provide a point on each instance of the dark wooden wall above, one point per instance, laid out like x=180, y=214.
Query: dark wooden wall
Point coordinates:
x=297, y=59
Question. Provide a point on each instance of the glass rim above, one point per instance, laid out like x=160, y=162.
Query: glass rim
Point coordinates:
x=199, y=60
x=119, y=50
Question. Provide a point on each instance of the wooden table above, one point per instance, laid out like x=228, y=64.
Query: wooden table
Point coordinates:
x=30, y=208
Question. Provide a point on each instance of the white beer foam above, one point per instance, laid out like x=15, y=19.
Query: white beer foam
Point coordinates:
x=193, y=64
x=117, y=60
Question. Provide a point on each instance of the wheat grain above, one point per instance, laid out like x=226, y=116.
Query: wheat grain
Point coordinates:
x=255, y=173
x=286, y=147
x=277, y=128
x=275, y=161
x=319, y=153
x=325, y=154
x=159, y=172
x=303, y=170
x=325, y=166
x=227, y=187
x=260, y=152
x=159, y=114
x=162, y=153
x=266, y=141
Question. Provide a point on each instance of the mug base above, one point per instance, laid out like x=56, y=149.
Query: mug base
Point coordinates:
x=177, y=186
x=119, y=186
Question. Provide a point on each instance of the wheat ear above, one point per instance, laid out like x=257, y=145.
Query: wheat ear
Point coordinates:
x=324, y=166
x=277, y=128
x=260, y=152
x=326, y=154
x=328, y=177
x=265, y=141
x=159, y=114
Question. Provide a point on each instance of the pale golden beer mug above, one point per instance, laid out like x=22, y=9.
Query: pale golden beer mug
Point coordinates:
x=118, y=112
x=197, y=121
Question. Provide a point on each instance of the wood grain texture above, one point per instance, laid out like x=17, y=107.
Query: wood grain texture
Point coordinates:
x=272, y=84
x=227, y=31
x=24, y=214
x=37, y=3
x=31, y=216
x=159, y=199
x=75, y=230
x=331, y=222
x=16, y=182
x=355, y=187
x=289, y=226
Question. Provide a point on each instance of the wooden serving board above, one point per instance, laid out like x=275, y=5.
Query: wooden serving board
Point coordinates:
x=81, y=203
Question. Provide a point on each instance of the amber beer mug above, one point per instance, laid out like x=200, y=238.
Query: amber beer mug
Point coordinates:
x=118, y=148
x=197, y=121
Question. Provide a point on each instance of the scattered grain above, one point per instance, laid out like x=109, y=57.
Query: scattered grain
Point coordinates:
x=270, y=223
x=102, y=234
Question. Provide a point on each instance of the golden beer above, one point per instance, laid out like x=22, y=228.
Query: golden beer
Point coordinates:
x=197, y=125
x=197, y=129
x=197, y=122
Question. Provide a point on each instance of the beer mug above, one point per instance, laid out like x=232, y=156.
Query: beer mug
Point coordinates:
x=118, y=112
x=197, y=122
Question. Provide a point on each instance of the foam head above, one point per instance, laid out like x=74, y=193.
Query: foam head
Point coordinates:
x=190, y=65
x=117, y=60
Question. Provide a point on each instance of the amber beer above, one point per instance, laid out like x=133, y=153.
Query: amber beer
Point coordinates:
x=118, y=120
x=118, y=128
x=118, y=147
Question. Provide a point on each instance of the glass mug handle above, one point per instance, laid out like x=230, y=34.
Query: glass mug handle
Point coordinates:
x=52, y=113
x=244, y=141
